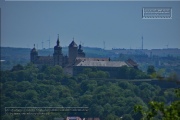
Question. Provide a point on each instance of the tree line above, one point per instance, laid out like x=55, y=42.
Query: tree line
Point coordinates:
x=48, y=86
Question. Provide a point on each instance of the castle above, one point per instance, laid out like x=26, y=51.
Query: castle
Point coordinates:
x=76, y=61
x=58, y=58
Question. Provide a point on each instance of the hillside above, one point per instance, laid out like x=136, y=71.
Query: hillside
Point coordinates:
x=29, y=86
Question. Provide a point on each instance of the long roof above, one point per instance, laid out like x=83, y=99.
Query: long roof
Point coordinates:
x=92, y=59
x=102, y=63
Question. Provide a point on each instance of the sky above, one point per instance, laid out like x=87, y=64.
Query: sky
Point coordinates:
x=108, y=24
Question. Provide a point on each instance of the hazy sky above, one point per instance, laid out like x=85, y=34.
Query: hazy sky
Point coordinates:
x=119, y=24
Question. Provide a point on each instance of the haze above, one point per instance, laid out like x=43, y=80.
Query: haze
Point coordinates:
x=96, y=24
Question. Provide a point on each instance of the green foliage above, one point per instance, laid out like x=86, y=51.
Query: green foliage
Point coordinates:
x=127, y=117
x=94, y=73
x=112, y=117
x=160, y=110
x=50, y=87
x=131, y=73
x=123, y=72
x=177, y=92
x=151, y=69
x=17, y=67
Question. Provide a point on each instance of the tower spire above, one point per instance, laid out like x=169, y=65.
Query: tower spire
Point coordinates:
x=58, y=40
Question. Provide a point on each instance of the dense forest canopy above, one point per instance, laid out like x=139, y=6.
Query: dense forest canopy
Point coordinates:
x=29, y=86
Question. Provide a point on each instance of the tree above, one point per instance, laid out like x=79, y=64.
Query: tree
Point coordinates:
x=97, y=110
x=127, y=117
x=30, y=94
x=123, y=72
x=17, y=67
x=112, y=117
x=151, y=70
x=165, y=112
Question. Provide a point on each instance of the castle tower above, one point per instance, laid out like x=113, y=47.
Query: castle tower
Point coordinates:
x=80, y=52
x=73, y=51
x=33, y=55
x=57, y=55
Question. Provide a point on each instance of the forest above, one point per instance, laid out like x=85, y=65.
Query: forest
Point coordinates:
x=48, y=86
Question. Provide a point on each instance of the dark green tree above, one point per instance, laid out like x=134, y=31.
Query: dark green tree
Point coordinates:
x=165, y=112
x=151, y=70
x=17, y=67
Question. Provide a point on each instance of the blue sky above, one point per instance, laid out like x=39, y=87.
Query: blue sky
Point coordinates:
x=119, y=24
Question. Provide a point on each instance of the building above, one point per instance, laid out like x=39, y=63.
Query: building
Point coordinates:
x=76, y=61
x=103, y=64
x=58, y=58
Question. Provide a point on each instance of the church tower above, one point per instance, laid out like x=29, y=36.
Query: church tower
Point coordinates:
x=57, y=55
x=33, y=55
x=73, y=51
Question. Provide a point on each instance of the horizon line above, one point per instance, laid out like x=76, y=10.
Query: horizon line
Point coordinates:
x=98, y=48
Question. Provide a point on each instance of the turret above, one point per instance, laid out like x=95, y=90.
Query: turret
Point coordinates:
x=34, y=55
x=73, y=51
x=80, y=52
x=57, y=55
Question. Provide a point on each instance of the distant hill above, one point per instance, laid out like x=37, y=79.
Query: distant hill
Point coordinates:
x=10, y=53
x=156, y=57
